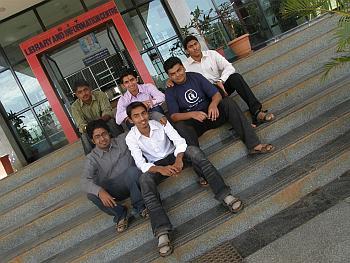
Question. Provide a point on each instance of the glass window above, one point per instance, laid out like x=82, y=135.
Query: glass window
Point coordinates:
x=29, y=83
x=155, y=68
x=11, y=96
x=90, y=4
x=3, y=63
x=56, y=12
x=29, y=135
x=50, y=123
x=157, y=21
x=15, y=31
x=172, y=48
x=137, y=30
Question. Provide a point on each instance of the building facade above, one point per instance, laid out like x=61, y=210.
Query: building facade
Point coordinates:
x=30, y=127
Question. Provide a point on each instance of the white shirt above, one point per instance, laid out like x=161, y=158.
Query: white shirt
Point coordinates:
x=162, y=141
x=212, y=66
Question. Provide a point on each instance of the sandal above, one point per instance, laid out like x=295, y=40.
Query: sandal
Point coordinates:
x=266, y=148
x=144, y=214
x=232, y=207
x=267, y=117
x=163, y=245
x=122, y=225
x=203, y=182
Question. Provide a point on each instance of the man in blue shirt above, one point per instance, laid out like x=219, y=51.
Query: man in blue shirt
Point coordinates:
x=195, y=106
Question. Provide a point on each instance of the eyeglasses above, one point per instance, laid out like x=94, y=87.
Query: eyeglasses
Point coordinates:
x=99, y=136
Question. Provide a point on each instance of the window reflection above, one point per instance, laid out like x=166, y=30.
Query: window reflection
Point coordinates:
x=157, y=21
x=50, y=123
x=29, y=83
x=3, y=63
x=11, y=96
x=137, y=30
x=63, y=10
x=15, y=31
x=29, y=134
x=172, y=48
x=155, y=68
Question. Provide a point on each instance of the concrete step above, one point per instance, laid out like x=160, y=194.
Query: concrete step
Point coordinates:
x=200, y=223
x=40, y=167
x=180, y=213
x=262, y=201
x=291, y=119
x=289, y=42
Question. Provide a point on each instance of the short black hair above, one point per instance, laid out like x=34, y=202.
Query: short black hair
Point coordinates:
x=188, y=39
x=171, y=62
x=134, y=105
x=127, y=72
x=96, y=124
x=80, y=83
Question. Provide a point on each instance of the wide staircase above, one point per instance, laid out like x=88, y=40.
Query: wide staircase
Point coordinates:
x=44, y=217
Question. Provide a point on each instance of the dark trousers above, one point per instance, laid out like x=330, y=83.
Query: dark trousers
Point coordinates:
x=228, y=112
x=236, y=82
x=114, y=129
x=122, y=187
x=159, y=219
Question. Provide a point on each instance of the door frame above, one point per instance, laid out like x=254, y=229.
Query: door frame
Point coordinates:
x=69, y=31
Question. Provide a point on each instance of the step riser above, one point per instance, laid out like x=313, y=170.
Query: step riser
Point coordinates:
x=286, y=44
x=42, y=184
x=187, y=211
x=289, y=59
x=40, y=167
x=257, y=213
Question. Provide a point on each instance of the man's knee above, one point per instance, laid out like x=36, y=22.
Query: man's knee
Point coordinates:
x=146, y=179
x=132, y=175
x=193, y=151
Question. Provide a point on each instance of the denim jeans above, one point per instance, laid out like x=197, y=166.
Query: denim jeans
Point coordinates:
x=122, y=187
x=229, y=112
x=148, y=181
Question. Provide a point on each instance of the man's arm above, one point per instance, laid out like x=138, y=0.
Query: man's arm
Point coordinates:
x=121, y=115
x=158, y=97
x=79, y=118
x=213, y=111
x=106, y=107
x=87, y=178
x=224, y=66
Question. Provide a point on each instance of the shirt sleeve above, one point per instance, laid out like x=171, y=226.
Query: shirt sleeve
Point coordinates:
x=136, y=153
x=224, y=66
x=105, y=105
x=79, y=117
x=121, y=110
x=158, y=97
x=178, y=141
x=87, y=179
x=173, y=106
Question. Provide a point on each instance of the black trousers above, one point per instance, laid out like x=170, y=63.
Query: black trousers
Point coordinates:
x=148, y=181
x=236, y=82
x=228, y=112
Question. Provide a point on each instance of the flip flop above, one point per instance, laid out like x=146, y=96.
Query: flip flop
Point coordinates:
x=203, y=182
x=168, y=252
x=231, y=204
x=267, y=148
x=268, y=117
x=122, y=225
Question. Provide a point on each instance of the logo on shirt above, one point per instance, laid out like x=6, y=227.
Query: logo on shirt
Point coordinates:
x=191, y=96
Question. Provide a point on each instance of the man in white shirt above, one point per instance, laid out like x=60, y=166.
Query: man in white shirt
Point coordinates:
x=220, y=72
x=159, y=151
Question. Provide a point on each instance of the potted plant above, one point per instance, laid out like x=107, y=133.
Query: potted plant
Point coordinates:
x=240, y=43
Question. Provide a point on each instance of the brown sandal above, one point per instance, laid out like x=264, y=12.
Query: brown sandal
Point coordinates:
x=266, y=148
x=232, y=203
x=203, y=182
x=122, y=225
x=267, y=117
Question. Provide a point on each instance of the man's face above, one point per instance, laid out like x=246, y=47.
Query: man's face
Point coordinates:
x=193, y=48
x=130, y=83
x=177, y=74
x=101, y=138
x=84, y=93
x=140, y=117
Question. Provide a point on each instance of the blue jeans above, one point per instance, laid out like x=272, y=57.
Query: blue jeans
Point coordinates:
x=122, y=187
x=148, y=181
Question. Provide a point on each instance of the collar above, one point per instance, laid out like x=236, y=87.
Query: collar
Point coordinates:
x=138, y=133
x=101, y=152
x=191, y=60
x=129, y=95
x=82, y=103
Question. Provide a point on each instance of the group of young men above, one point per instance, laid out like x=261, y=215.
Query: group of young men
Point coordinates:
x=133, y=164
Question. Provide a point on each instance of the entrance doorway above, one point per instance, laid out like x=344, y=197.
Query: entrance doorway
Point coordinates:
x=95, y=46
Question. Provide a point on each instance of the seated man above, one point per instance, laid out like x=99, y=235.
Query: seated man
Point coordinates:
x=92, y=105
x=146, y=93
x=196, y=106
x=110, y=175
x=166, y=152
x=220, y=72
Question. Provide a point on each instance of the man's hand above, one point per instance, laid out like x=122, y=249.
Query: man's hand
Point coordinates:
x=148, y=103
x=213, y=112
x=106, y=117
x=178, y=165
x=163, y=120
x=199, y=115
x=220, y=85
x=168, y=170
x=106, y=198
x=169, y=83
